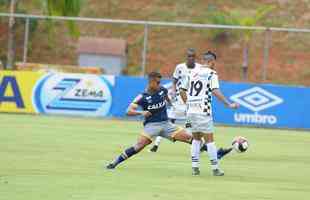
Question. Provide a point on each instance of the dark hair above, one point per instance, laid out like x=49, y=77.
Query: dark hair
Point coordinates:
x=191, y=51
x=209, y=55
x=154, y=75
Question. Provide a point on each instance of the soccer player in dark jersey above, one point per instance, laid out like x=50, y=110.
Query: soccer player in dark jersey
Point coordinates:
x=177, y=112
x=153, y=103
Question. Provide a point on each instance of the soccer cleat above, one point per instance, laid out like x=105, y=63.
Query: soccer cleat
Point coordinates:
x=223, y=152
x=154, y=148
x=110, y=166
x=195, y=171
x=218, y=172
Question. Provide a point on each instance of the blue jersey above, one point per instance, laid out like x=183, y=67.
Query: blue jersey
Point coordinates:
x=154, y=103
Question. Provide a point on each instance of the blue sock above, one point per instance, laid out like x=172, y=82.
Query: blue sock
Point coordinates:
x=204, y=148
x=125, y=155
x=220, y=152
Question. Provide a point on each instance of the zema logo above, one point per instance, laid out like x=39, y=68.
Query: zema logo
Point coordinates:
x=74, y=97
x=73, y=94
x=256, y=99
x=10, y=93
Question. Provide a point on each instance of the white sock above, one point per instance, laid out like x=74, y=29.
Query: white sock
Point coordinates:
x=212, y=152
x=157, y=141
x=195, y=150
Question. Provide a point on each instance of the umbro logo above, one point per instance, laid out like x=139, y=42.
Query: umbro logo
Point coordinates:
x=256, y=99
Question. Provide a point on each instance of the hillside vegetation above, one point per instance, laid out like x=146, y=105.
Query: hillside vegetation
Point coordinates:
x=289, y=61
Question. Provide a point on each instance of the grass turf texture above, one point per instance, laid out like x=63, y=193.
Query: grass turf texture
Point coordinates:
x=63, y=158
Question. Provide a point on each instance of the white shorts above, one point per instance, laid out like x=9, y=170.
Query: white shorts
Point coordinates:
x=177, y=112
x=200, y=123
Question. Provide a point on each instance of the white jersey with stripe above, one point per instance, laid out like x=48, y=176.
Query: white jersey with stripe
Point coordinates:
x=199, y=84
x=181, y=71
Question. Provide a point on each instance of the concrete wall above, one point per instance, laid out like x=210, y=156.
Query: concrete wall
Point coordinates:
x=112, y=65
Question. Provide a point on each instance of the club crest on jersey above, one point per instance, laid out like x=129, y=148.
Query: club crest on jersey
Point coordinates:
x=149, y=99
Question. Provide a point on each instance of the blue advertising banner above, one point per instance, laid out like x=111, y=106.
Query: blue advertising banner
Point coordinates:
x=261, y=104
x=265, y=105
x=74, y=94
x=125, y=90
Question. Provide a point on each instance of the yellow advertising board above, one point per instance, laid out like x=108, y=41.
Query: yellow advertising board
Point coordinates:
x=16, y=89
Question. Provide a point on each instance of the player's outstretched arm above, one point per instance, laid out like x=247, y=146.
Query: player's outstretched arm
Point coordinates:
x=221, y=97
x=168, y=100
x=173, y=88
x=132, y=111
x=183, y=95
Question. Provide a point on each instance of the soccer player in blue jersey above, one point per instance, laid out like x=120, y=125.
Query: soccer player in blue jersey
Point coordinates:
x=177, y=112
x=153, y=103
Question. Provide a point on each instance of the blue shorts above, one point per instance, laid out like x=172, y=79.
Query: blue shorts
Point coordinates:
x=164, y=129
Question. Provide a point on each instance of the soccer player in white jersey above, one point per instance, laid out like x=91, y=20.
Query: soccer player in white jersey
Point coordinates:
x=177, y=111
x=196, y=91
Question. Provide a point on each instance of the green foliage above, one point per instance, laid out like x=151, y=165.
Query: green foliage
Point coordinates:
x=166, y=15
x=259, y=15
x=4, y=2
x=235, y=17
x=306, y=73
x=217, y=17
x=64, y=8
x=33, y=23
x=3, y=6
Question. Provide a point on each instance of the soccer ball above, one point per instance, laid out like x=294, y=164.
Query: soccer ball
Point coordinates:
x=240, y=144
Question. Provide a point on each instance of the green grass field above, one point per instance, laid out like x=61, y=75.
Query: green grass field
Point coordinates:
x=62, y=158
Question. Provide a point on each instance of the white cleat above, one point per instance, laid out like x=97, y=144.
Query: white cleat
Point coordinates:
x=218, y=172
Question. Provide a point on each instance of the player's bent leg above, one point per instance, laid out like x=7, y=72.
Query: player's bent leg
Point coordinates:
x=182, y=136
x=221, y=152
x=141, y=143
x=156, y=144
